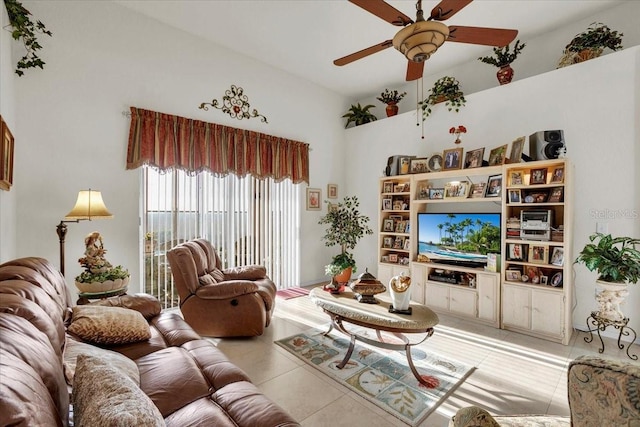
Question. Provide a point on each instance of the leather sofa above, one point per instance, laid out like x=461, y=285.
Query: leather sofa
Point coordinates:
x=216, y=302
x=178, y=378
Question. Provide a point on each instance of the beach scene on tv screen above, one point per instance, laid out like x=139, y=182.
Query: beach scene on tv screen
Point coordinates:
x=458, y=237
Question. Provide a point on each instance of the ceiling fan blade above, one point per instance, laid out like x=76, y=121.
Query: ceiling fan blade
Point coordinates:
x=414, y=70
x=498, y=37
x=447, y=8
x=384, y=10
x=362, y=53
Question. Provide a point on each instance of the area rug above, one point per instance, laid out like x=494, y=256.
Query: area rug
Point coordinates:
x=292, y=293
x=381, y=376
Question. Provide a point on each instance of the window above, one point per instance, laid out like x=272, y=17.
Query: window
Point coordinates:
x=249, y=221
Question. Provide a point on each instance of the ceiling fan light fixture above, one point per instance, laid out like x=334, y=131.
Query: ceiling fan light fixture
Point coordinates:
x=420, y=40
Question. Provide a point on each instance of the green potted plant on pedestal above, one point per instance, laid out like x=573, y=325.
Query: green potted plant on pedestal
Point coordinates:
x=359, y=115
x=391, y=98
x=617, y=262
x=446, y=89
x=502, y=58
x=590, y=44
x=346, y=226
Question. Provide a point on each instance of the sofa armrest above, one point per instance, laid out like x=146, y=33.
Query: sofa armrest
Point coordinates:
x=248, y=272
x=227, y=289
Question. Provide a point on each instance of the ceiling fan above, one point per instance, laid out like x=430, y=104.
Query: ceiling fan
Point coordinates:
x=420, y=39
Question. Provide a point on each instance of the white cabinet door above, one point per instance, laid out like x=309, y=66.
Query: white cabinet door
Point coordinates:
x=487, y=297
x=462, y=301
x=385, y=273
x=437, y=296
x=418, y=282
x=547, y=311
x=516, y=306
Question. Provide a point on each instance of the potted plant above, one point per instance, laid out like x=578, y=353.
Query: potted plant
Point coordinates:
x=590, y=43
x=99, y=275
x=502, y=58
x=617, y=262
x=391, y=98
x=359, y=115
x=346, y=226
x=445, y=89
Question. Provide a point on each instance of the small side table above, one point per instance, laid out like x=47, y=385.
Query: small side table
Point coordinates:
x=597, y=323
x=84, y=297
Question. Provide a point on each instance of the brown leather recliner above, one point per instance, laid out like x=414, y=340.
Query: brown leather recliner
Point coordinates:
x=236, y=302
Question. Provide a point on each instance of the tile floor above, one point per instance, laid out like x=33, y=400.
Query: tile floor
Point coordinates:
x=515, y=373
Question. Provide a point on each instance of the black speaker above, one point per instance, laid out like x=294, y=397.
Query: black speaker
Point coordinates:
x=546, y=144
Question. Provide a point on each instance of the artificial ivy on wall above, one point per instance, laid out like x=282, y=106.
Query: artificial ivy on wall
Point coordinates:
x=23, y=28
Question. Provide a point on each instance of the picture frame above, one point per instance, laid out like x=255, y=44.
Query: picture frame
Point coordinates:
x=538, y=254
x=494, y=186
x=557, y=256
x=6, y=156
x=516, y=177
x=404, y=164
x=399, y=226
x=423, y=191
x=477, y=189
x=332, y=207
x=513, y=275
x=538, y=176
x=387, y=225
x=385, y=258
x=386, y=204
x=393, y=258
x=556, y=280
x=435, y=163
x=514, y=196
x=398, y=243
x=314, y=195
x=498, y=155
x=407, y=227
x=533, y=273
x=473, y=158
x=396, y=218
x=407, y=245
x=535, y=197
x=332, y=191
x=516, y=252
x=557, y=177
x=544, y=280
x=452, y=159
x=387, y=187
x=556, y=195
x=398, y=205
x=516, y=150
x=419, y=165
x=387, y=242
x=436, y=193
x=457, y=190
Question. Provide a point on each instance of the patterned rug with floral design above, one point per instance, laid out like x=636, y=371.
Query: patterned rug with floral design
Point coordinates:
x=382, y=376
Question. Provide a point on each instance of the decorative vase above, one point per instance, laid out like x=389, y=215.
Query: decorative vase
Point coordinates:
x=609, y=297
x=505, y=74
x=343, y=277
x=392, y=109
x=106, y=286
x=400, y=290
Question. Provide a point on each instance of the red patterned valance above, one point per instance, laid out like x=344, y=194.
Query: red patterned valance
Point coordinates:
x=172, y=142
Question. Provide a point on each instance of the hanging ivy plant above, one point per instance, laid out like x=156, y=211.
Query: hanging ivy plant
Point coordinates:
x=22, y=27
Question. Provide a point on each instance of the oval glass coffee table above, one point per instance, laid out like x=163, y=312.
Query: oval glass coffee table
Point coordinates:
x=344, y=307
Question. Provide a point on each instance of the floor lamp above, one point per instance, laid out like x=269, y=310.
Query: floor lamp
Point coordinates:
x=88, y=206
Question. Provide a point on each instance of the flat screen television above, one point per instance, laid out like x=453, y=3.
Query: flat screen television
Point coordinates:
x=462, y=239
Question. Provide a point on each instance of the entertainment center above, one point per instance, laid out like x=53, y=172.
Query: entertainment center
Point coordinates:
x=487, y=243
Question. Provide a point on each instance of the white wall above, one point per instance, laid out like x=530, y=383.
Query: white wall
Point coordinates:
x=596, y=103
x=102, y=59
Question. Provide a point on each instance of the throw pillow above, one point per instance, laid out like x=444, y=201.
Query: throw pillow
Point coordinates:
x=108, y=325
x=73, y=349
x=473, y=416
x=104, y=396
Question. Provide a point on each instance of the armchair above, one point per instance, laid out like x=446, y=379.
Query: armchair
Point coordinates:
x=235, y=302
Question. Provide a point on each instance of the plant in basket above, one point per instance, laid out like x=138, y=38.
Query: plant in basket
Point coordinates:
x=590, y=44
x=446, y=89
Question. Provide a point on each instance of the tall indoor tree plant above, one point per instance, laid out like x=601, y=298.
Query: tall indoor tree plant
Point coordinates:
x=345, y=227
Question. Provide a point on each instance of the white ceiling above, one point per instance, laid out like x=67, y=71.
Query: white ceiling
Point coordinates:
x=303, y=37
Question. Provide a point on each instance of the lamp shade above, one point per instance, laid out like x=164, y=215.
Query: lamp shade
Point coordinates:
x=419, y=40
x=89, y=206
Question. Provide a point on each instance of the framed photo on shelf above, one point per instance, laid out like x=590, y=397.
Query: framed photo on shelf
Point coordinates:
x=400, y=225
x=477, y=189
x=556, y=195
x=494, y=186
x=399, y=205
x=407, y=245
x=558, y=175
x=452, y=159
x=516, y=150
x=514, y=196
x=516, y=252
x=538, y=176
x=332, y=191
x=387, y=187
x=393, y=258
x=556, y=280
x=386, y=204
x=557, y=256
x=513, y=275
x=536, y=197
x=457, y=190
x=387, y=225
x=396, y=217
x=313, y=199
x=544, y=280
x=398, y=243
x=516, y=178
x=533, y=273
x=420, y=165
x=407, y=227
x=435, y=163
x=403, y=165
x=423, y=191
x=473, y=158
x=385, y=258
x=387, y=242
x=436, y=193
x=538, y=254
x=498, y=155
